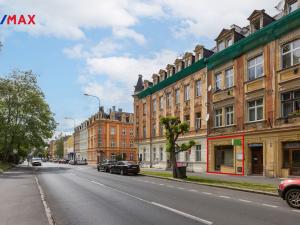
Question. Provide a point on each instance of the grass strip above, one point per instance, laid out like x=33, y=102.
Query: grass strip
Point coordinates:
x=210, y=181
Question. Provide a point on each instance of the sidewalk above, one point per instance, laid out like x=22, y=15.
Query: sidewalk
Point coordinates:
x=20, y=198
x=223, y=177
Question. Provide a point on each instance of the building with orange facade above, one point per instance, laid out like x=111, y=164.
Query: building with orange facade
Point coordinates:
x=109, y=135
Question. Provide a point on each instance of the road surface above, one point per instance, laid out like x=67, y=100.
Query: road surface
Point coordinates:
x=80, y=195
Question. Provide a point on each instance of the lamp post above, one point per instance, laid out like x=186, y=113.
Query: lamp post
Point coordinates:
x=74, y=122
x=99, y=110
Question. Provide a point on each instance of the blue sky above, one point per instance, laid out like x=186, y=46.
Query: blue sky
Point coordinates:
x=99, y=47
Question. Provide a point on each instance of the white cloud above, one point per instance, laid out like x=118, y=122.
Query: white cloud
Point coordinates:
x=207, y=18
x=126, y=69
x=70, y=19
x=129, y=33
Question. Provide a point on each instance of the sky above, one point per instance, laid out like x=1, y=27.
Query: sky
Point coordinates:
x=100, y=46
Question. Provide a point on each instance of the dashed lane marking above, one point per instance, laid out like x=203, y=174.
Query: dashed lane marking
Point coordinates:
x=272, y=206
x=198, y=219
x=206, y=193
x=223, y=196
x=244, y=200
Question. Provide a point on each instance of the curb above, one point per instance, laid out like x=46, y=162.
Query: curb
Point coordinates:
x=215, y=185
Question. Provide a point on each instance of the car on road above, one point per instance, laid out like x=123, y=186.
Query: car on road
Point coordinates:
x=124, y=167
x=36, y=162
x=105, y=165
x=289, y=190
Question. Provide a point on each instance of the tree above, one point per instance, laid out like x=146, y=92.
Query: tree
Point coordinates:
x=173, y=129
x=26, y=121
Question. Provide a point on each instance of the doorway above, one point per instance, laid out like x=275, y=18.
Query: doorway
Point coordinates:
x=295, y=161
x=257, y=160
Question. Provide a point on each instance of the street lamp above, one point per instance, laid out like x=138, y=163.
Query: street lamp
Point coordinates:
x=74, y=153
x=94, y=96
x=99, y=110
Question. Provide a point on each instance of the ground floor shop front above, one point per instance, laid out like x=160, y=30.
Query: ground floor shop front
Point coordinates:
x=271, y=153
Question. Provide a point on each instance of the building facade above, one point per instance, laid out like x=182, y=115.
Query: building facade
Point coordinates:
x=250, y=98
x=69, y=147
x=109, y=136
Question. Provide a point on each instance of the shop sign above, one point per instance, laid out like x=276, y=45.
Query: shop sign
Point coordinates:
x=291, y=145
x=255, y=145
x=236, y=142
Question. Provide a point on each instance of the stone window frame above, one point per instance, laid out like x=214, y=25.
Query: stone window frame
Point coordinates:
x=255, y=108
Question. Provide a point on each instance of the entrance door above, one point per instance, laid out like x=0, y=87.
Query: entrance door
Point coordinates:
x=295, y=170
x=257, y=160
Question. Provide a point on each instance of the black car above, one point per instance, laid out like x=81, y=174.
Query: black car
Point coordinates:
x=105, y=165
x=125, y=167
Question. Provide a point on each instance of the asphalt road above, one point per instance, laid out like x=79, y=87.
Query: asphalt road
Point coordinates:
x=79, y=195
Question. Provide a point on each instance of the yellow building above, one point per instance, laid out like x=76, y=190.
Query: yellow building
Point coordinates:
x=69, y=147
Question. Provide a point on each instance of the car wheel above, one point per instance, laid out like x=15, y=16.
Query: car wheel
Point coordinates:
x=98, y=169
x=293, y=198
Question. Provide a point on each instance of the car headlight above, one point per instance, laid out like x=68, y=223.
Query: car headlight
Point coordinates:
x=281, y=182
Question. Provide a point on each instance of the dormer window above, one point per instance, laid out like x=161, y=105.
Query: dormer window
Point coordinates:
x=255, y=25
x=229, y=42
x=200, y=56
x=221, y=46
x=292, y=6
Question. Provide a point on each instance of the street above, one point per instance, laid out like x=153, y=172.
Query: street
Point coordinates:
x=82, y=195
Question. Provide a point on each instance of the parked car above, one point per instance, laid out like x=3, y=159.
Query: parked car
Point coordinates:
x=36, y=162
x=71, y=162
x=81, y=162
x=124, y=167
x=289, y=190
x=105, y=165
x=62, y=161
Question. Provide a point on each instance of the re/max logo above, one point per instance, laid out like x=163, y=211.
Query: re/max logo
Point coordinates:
x=18, y=20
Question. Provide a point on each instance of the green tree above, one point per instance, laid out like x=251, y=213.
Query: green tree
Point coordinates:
x=26, y=121
x=173, y=129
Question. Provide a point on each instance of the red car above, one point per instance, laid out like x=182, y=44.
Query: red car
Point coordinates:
x=289, y=190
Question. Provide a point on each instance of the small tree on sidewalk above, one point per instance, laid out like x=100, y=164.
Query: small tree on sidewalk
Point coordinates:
x=174, y=128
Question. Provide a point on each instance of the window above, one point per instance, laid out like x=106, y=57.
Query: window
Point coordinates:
x=198, y=88
x=131, y=144
x=290, y=54
x=168, y=98
x=229, y=42
x=255, y=25
x=226, y=155
x=161, y=154
x=255, y=67
x=255, y=110
x=186, y=92
x=187, y=156
x=100, y=130
x=198, y=121
x=124, y=144
x=221, y=46
x=131, y=157
x=154, y=154
x=218, y=81
x=124, y=131
x=112, y=143
x=177, y=94
x=144, y=132
x=113, y=157
x=292, y=6
x=144, y=109
x=198, y=153
x=154, y=105
x=154, y=130
x=112, y=131
x=161, y=130
x=131, y=132
x=161, y=103
x=290, y=103
x=144, y=154
x=187, y=119
x=218, y=118
x=229, y=115
x=229, y=78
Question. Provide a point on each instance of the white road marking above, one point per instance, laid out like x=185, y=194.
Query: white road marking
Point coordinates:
x=193, y=190
x=223, y=196
x=161, y=184
x=296, y=210
x=183, y=214
x=273, y=206
x=206, y=193
x=181, y=188
x=244, y=200
x=46, y=207
x=157, y=204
